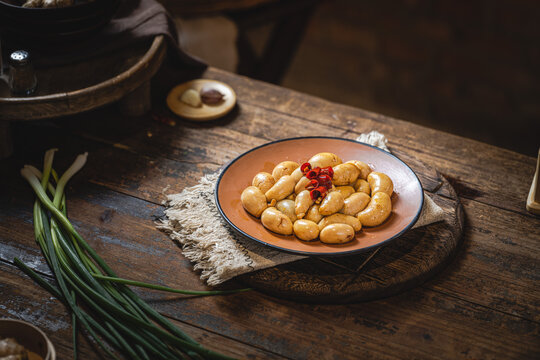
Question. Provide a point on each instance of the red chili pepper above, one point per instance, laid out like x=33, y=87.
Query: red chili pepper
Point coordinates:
x=305, y=167
x=328, y=171
x=314, y=194
x=322, y=189
x=311, y=174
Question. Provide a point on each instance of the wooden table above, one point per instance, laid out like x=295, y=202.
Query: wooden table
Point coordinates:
x=484, y=305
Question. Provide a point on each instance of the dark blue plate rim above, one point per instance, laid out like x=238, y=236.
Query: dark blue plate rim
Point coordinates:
x=309, y=253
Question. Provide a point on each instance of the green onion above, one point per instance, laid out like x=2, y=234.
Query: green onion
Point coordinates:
x=118, y=320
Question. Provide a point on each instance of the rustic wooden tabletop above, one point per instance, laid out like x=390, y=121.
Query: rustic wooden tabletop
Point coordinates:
x=485, y=304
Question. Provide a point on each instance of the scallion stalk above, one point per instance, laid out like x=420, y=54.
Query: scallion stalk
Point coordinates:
x=100, y=301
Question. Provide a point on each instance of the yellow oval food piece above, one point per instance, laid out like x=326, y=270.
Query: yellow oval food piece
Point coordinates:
x=345, y=174
x=284, y=168
x=332, y=203
x=377, y=211
x=287, y=207
x=362, y=185
x=302, y=203
x=336, y=234
x=305, y=230
x=281, y=189
x=263, y=181
x=362, y=166
x=253, y=200
x=380, y=182
x=313, y=214
x=355, y=203
x=341, y=219
x=274, y=220
x=324, y=159
x=297, y=174
x=301, y=185
x=346, y=191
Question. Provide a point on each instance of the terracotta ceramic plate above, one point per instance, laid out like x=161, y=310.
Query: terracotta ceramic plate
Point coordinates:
x=406, y=202
x=204, y=112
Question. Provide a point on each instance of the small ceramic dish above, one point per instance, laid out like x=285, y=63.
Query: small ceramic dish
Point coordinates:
x=29, y=336
x=204, y=112
x=407, y=199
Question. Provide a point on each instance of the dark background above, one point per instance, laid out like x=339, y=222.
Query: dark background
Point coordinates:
x=471, y=68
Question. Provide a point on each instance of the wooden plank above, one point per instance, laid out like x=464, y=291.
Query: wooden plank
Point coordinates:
x=131, y=245
x=101, y=170
x=23, y=299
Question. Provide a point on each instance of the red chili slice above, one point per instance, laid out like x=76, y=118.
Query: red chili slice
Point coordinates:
x=328, y=171
x=322, y=190
x=305, y=167
x=313, y=173
x=314, y=194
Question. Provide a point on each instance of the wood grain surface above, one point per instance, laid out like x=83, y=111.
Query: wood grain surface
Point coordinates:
x=483, y=305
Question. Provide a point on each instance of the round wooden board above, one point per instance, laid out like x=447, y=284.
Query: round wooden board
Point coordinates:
x=405, y=263
x=204, y=112
x=74, y=88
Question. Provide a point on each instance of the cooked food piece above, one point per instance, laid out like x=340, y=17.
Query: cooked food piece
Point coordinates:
x=191, y=97
x=211, y=96
x=301, y=185
x=11, y=349
x=380, y=182
x=355, y=203
x=274, y=220
x=313, y=214
x=377, y=211
x=287, y=207
x=336, y=234
x=346, y=191
x=340, y=219
x=306, y=230
x=263, y=181
x=297, y=174
x=362, y=166
x=324, y=159
x=332, y=203
x=302, y=203
x=281, y=189
x=362, y=185
x=345, y=174
x=284, y=168
x=33, y=3
x=253, y=200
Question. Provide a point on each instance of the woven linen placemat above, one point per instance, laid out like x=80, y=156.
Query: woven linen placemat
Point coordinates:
x=218, y=251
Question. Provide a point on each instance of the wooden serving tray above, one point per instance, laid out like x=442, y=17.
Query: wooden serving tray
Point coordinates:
x=74, y=88
x=404, y=263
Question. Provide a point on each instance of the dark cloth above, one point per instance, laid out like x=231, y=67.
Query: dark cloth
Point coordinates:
x=135, y=22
